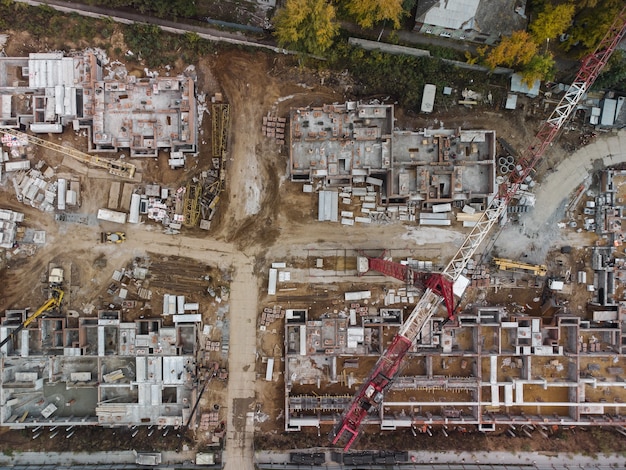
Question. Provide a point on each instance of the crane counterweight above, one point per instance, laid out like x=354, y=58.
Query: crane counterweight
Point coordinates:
x=370, y=395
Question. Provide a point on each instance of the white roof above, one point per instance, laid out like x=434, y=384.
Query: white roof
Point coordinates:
x=518, y=86
x=453, y=14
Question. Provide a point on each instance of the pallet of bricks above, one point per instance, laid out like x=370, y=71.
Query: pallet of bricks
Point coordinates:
x=270, y=315
x=274, y=128
x=209, y=420
x=212, y=345
x=478, y=274
x=359, y=310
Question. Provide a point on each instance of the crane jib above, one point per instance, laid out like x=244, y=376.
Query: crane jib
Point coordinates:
x=370, y=395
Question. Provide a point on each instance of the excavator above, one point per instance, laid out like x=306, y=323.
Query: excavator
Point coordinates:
x=53, y=302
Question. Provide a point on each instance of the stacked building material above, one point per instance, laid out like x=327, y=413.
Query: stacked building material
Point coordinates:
x=274, y=128
x=270, y=315
x=478, y=274
x=209, y=420
x=213, y=345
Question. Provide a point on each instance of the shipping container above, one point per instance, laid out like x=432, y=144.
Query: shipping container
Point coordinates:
x=111, y=216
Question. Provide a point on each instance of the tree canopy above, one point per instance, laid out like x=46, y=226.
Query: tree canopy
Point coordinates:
x=540, y=67
x=552, y=21
x=591, y=22
x=515, y=50
x=369, y=12
x=306, y=25
x=614, y=73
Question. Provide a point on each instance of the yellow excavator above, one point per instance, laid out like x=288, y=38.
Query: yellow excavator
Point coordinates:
x=53, y=302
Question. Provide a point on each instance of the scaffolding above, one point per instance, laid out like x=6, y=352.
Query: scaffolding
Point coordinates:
x=220, y=118
x=191, y=204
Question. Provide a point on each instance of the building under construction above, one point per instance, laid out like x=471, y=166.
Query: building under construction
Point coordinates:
x=344, y=144
x=47, y=91
x=488, y=368
x=97, y=371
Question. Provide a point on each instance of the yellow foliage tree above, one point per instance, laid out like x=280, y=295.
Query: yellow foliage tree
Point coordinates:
x=552, y=21
x=369, y=12
x=306, y=25
x=517, y=49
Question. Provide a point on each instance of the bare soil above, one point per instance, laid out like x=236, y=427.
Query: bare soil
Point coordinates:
x=260, y=215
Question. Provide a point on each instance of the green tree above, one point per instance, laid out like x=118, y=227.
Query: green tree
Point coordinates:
x=540, y=67
x=552, y=21
x=515, y=50
x=614, y=73
x=591, y=23
x=306, y=25
x=369, y=12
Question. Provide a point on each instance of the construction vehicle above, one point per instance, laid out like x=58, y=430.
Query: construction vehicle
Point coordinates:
x=369, y=397
x=55, y=278
x=510, y=265
x=115, y=167
x=112, y=237
x=53, y=302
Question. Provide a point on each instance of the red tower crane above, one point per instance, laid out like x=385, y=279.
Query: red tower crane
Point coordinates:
x=369, y=397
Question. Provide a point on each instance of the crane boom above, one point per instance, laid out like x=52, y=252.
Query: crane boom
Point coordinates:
x=371, y=393
x=52, y=302
x=117, y=168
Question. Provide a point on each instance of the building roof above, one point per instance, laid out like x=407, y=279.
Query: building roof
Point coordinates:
x=453, y=14
x=500, y=16
x=493, y=16
x=518, y=86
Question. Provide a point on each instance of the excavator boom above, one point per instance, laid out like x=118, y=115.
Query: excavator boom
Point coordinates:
x=52, y=302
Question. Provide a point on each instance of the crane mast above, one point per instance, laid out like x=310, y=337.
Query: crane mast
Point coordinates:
x=370, y=395
x=117, y=168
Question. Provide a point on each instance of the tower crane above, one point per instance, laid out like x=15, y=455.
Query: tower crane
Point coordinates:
x=117, y=168
x=370, y=396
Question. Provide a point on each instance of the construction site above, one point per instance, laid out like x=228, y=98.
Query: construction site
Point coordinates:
x=108, y=334
x=233, y=259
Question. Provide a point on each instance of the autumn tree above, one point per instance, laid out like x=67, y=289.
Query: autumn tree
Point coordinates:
x=591, y=23
x=552, y=21
x=540, y=67
x=515, y=50
x=306, y=25
x=369, y=12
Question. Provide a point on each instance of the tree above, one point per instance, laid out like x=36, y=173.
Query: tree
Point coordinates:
x=306, y=25
x=552, y=21
x=369, y=12
x=591, y=24
x=540, y=67
x=515, y=50
x=613, y=75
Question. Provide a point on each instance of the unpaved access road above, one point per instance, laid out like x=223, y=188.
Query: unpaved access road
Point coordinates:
x=538, y=231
